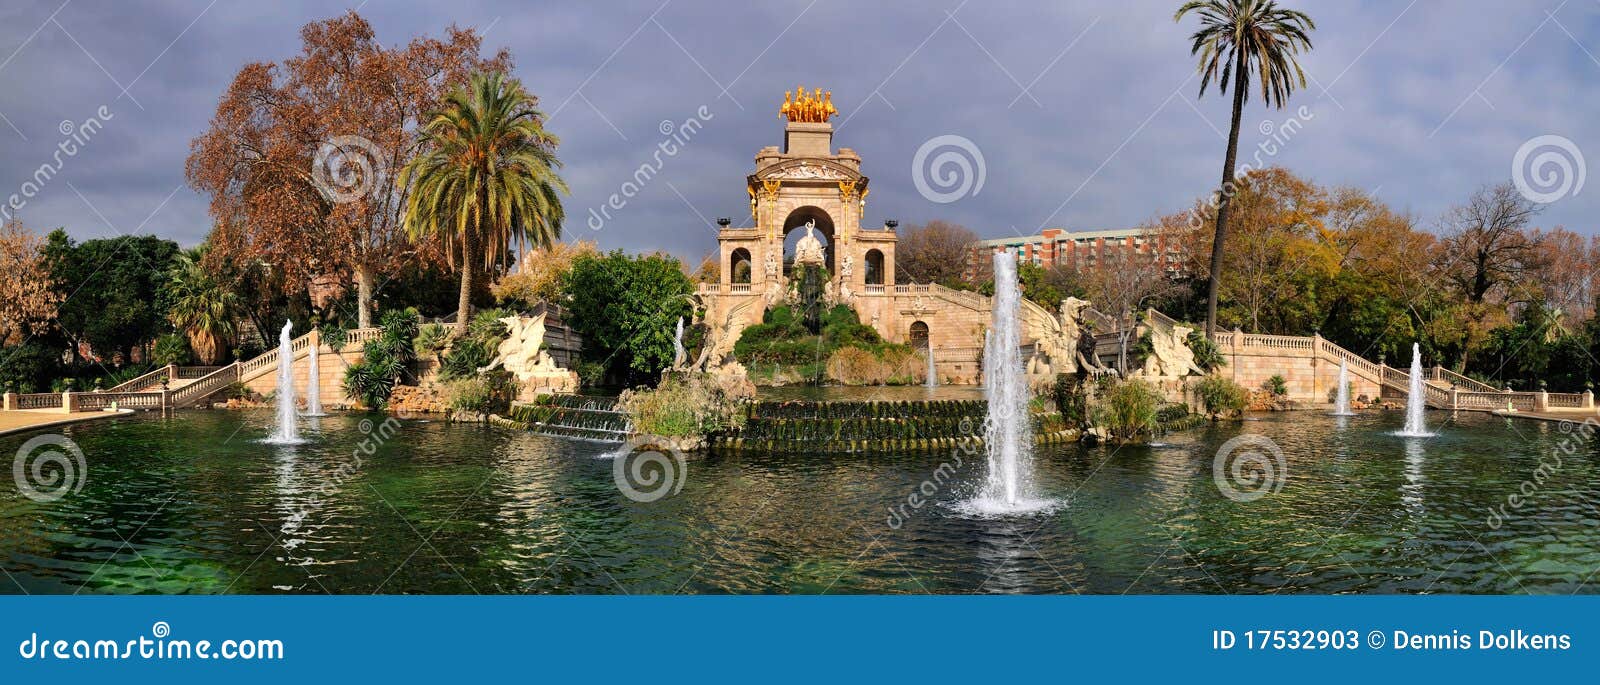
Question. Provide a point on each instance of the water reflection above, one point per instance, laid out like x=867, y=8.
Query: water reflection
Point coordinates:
x=446, y=508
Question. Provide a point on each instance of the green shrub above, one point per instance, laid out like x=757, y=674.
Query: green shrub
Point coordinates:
x=1205, y=352
x=1221, y=396
x=464, y=359
x=1071, y=396
x=681, y=407
x=384, y=360
x=781, y=315
x=488, y=393
x=171, y=349
x=1128, y=410
x=334, y=335
x=432, y=340
x=1276, y=385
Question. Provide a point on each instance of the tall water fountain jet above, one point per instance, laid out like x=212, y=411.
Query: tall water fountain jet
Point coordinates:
x=1341, y=406
x=314, y=381
x=288, y=433
x=679, y=355
x=1416, y=401
x=933, y=376
x=1008, y=430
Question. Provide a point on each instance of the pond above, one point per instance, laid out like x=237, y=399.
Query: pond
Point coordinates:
x=194, y=504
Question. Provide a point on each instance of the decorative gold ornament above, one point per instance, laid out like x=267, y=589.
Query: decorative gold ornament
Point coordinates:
x=847, y=190
x=770, y=187
x=816, y=107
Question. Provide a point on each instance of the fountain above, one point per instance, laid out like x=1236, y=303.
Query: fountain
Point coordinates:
x=679, y=355
x=1416, y=401
x=933, y=376
x=1008, y=429
x=288, y=433
x=1341, y=406
x=313, y=382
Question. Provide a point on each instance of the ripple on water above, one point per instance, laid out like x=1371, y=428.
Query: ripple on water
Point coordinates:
x=176, y=505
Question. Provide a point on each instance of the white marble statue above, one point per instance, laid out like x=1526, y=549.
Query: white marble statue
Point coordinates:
x=809, y=250
x=521, y=352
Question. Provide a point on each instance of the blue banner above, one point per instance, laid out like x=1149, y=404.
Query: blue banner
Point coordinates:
x=797, y=639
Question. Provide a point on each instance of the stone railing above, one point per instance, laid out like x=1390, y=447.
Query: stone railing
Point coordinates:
x=95, y=401
x=149, y=379
x=739, y=288
x=193, y=372
x=38, y=400
x=875, y=289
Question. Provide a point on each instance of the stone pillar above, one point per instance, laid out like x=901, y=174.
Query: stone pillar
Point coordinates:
x=69, y=402
x=1588, y=399
x=1454, y=397
x=1541, y=400
x=10, y=402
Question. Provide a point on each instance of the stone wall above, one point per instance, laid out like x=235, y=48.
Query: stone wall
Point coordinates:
x=1310, y=379
x=330, y=369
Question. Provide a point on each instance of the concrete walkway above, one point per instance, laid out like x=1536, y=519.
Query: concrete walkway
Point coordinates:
x=28, y=419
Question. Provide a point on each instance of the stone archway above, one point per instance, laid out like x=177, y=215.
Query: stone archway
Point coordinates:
x=918, y=335
x=794, y=227
x=874, y=274
x=739, y=266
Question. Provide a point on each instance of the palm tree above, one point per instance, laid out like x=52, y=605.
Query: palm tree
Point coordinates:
x=200, y=307
x=486, y=179
x=1238, y=40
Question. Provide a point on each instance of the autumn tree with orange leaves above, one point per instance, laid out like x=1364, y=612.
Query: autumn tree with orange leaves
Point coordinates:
x=28, y=299
x=300, y=157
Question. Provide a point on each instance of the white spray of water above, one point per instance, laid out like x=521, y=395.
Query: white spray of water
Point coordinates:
x=1416, y=401
x=678, y=353
x=1008, y=430
x=1341, y=407
x=314, y=382
x=288, y=432
x=933, y=375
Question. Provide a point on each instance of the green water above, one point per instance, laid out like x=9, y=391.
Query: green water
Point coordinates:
x=193, y=504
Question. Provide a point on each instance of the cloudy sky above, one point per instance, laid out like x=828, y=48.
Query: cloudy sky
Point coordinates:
x=1086, y=115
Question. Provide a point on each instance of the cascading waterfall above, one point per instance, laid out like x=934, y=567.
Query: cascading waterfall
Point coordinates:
x=1008, y=430
x=933, y=375
x=1341, y=406
x=314, y=382
x=1416, y=401
x=288, y=432
x=679, y=355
